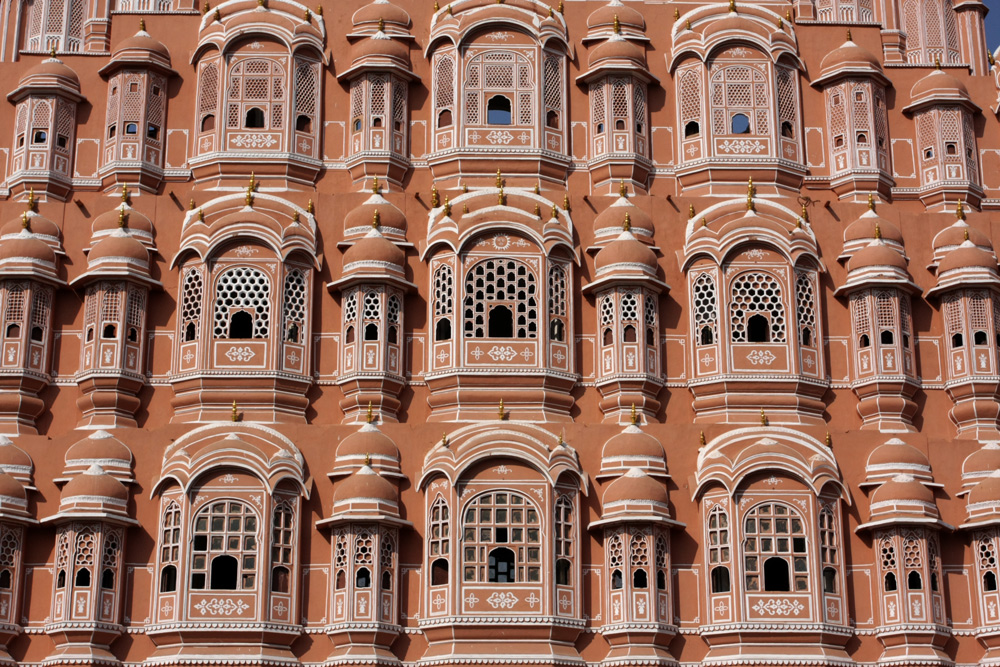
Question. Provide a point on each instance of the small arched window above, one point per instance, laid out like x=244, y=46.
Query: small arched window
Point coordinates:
x=914, y=581
x=720, y=579
x=956, y=340
x=691, y=129
x=501, y=322
x=240, y=325
x=562, y=572
x=989, y=582
x=363, y=578
x=224, y=574
x=341, y=580
x=280, y=579
x=616, y=580
x=864, y=341
x=739, y=124
x=254, y=119
x=82, y=577
x=640, y=579
x=776, y=575
x=444, y=118
x=498, y=110
x=108, y=579
x=501, y=566
x=208, y=123
x=890, y=582
x=386, y=580
x=758, y=329
x=829, y=580
x=168, y=579
x=439, y=572
x=5, y=579
x=886, y=337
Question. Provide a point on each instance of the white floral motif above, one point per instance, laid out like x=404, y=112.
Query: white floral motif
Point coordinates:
x=221, y=607
x=742, y=146
x=253, y=140
x=761, y=357
x=472, y=600
x=500, y=137
x=754, y=253
x=775, y=607
x=502, y=353
x=502, y=470
x=532, y=600
x=237, y=353
x=505, y=600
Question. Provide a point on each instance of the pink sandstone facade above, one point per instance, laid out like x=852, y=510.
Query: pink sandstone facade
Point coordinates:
x=495, y=332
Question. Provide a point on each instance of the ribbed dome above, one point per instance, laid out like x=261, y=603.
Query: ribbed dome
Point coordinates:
x=95, y=483
x=876, y=254
x=954, y=235
x=987, y=491
x=632, y=442
x=897, y=452
x=636, y=486
x=26, y=246
x=613, y=217
x=381, y=9
x=119, y=245
x=12, y=456
x=618, y=48
x=380, y=45
x=902, y=488
x=365, y=484
x=938, y=85
x=984, y=460
x=375, y=248
x=47, y=70
x=967, y=256
x=626, y=250
x=605, y=16
x=137, y=223
x=99, y=446
x=848, y=56
x=864, y=229
x=368, y=441
x=11, y=488
x=141, y=41
x=362, y=216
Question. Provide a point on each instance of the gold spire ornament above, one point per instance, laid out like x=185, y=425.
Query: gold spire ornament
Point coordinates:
x=310, y=207
x=142, y=25
x=732, y=5
x=878, y=232
x=236, y=412
x=561, y=8
x=370, y=418
x=376, y=220
x=465, y=188
x=690, y=211
x=368, y=456
x=499, y=179
x=253, y=182
x=937, y=62
x=781, y=24
x=871, y=201
x=24, y=221
x=959, y=210
x=701, y=439
x=381, y=24
x=627, y=225
x=447, y=206
x=829, y=440
x=555, y=212
x=307, y=15
x=444, y=439
x=191, y=204
x=295, y=217
x=805, y=213
x=538, y=188
x=966, y=235
x=375, y=185
x=617, y=26
x=465, y=208
x=788, y=15
x=566, y=203
x=319, y=10
x=634, y=417
x=677, y=13
x=31, y=198
x=622, y=190
x=501, y=413
x=201, y=215
x=217, y=16
x=538, y=211
x=121, y=218
x=850, y=37
x=124, y=193
x=206, y=8
x=687, y=24
x=435, y=197
x=501, y=198
x=437, y=7
x=248, y=198
x=763, y=418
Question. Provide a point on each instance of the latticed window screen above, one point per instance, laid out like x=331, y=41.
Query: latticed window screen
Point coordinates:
x=13, y=305
x=630, y=307
x=306, y=88
x=41, y=306
x=805, y=306
x=986, y=555
x=444, y=83
x=501, y=520
x=638, y=548
x=54, y=24
x=242, y=289
x=756, y=293
x=706, y=307
x=788, y=99
x=439, y=533
x=860, y=314
x=282, y=535
x=10, y=545
x=774, y=530
x=144, y=5
x=718, y=537
x=886, y=317
x=607, y=311
x=501, y=282
x=828, y=542
x=845, y=11
x=256, y=83
x=85, y=551
x=740, y=89
x=553, y=92
x=564, y=528
x=170, y=534
x=557, y=291
x=979, y=316
x=597, y=109
x=364, y=546
x=690, y=97
x=224, y=529
x=444, y=291
x=887, y=554
x=953, y=319
x=499, y=73
x=913, y=557
x=931, y=31
x=191, y=296
x=969, y=137
x=294, y=298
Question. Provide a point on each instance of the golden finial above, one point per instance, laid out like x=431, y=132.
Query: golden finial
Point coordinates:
x=701, y=439
x=191, y=204
x=52, y=52
x=310, y=207
x=690, y=211
x=444, y=439
x=989, y=57
x=368, y=456
x=31, y=198
x=561, y=8
x=449, y=9
x=850, y=38
x=555, y=211
x=447, y=206
x=248, y=198
x=566, y=203
x=260, y=3
x=634, y=417
x=499, y=179
x=750, y=204
x=878, y=232
x=307, y=15
x=781, y=24
x=24, y=221
x=538, y=212
x=501, y=413
x=206, y=8
x=121, y=218
x=201, y=215
x=937, y=62
x=465, y=188
x=552, y=13
x=142, y=25
x=217, y=16
x=732, y=5
x=829, y=440
x=465, y=208
x=627, y=225
x=788, y=15
x=437, y=7
x=124, y=193
x=959, y=210
x=617, y=26
x=805, y=213
x=677, y=13
x=871, y=201
x=253, y=182
x=622, y=190
x=376, y=220
x=435, y=197
x=236, y=412
x=966, y=234
x=561, y=442
x=501, y=198
x=381, y=24
x=687, y=24
x=751, y=191
x=538, y=188
x=763, y=418
x=704, y=222
x=295, y=217
x=375, y=185
x=319, y=10
x=370, y=418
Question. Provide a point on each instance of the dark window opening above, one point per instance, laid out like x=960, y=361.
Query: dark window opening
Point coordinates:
x=201, y=542
x=61, y=579
x=39, y=136
x=501, y=535
x=5, y=579
x=198, y=581
x=758, y=329
x=131, y=129
x=444, y=118
x=934, y=582
x=371, y=331
x=616, y=580
x=224, y=575
x=189, y=332
x=562, y=572
x=786, y=130
x=640, y=579
x=156, y=90
x=341, y=580
x=387, y=581
x=498, y=110
x=914, y=581
x=363, y=578
x=989, y=582
x=153, y=132
x=650, y=336
x=109, y=331
x=629, y=335
x=397, y=126
x=608, y=337
x=956, y=340
x=292, y=334
x=951, y=148
x=82, y=577
x=740, y=124
x=906, y=341
x=720, y=579
x=979, y=338
x=552, y=119
x=208, y=123
x=377, y=121
x=838, y=141
x=439, y=572
x=829, y=580
x=349, y=335
x=886, y=337
x=692, y=129
x=862, y=138
x=393, y=336
x=501, y=322
x=501, y=566
x=776, y=575
x=280, y=579
x=556, y=330
x=133, y=87
x=661, y=581
x=108, y=579
x=20, y=140
x=928, y=153
x=619, y=124
x=600, y=128
x=241, y=325
x=62, y=141
x=254, y=119
x=133, y=334
x=112, y=130
x=707, y=337
x=807, y=337
x=864, y=341
x=36, y=334
x=638, y=127
x=357, y=124
x=14, y=330
x=442, y=331
x=168, y=579
x=303, y=123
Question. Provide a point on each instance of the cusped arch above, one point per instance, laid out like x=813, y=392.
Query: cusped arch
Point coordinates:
x=706, y=30
x=256, y=449
x=728, y=459
x=291, y=23
x=268, y=219
x=532, y=445
x=457, y=22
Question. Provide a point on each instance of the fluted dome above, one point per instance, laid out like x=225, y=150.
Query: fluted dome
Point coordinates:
x=897, y=453
x=11, y=488
x=636, y=486
x=628, y=17
x=375, y=249
x=365, y=484
x=141, y=41
x=138, y=223
x=94, y=483
x=938, y=86
x=626, y=250
x=876, y=254
x=613, y=217
x=25, y=246
x=863, y=229
x=392, y=222
x=383, y=10
x=618, y=48
x=902, y=489
x=987, y=491
x=13, y=457
x=50, y=73
x=38, y=225
x=382, y=46
x=849, y=57
x=967, y=256
x=632, y=448
x=955, y=235
x=120, y=245
x=982, y=461
x=101, y=448
x=367, y=447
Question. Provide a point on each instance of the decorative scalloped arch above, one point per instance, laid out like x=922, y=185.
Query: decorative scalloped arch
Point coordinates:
x=530, y=444
x=457, y=21
x=257, y=449
x=283, y=20
x=731, y=457
x=714, y=27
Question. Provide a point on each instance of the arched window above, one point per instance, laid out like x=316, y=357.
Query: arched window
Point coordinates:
x=494, y=284
x=989, y=582
x=829, y=549
x=108, y=579
x=439, y=572
x=57, y=25
x=294, y=305
x=565, y=539
x=720, y=579
x=500, y=89
x=914, y=581
x=562, y=572
x=616, y=580
x=372, y=315
x=639, y=558
x=5, y=579
x=774, y=549
x=439, y=541
x=224, y=547
x=615, y=551
x=805, y=307
x=280, y=579
x=242, y=303
x=757, y=294
x=256, y=95
x=168, y=579
x=84, y=557
x=191, y=295
x=718, y=549
x=444, y=297
x=82, y=578
x=705, y=307
x=363, y=578
x=890, y=582
x=498, y=110
x=444, y=90
x=986, y=553
x=557, y=303
x=887, y=555
x=502, y=518
x=741, y=101
x=282, y=540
